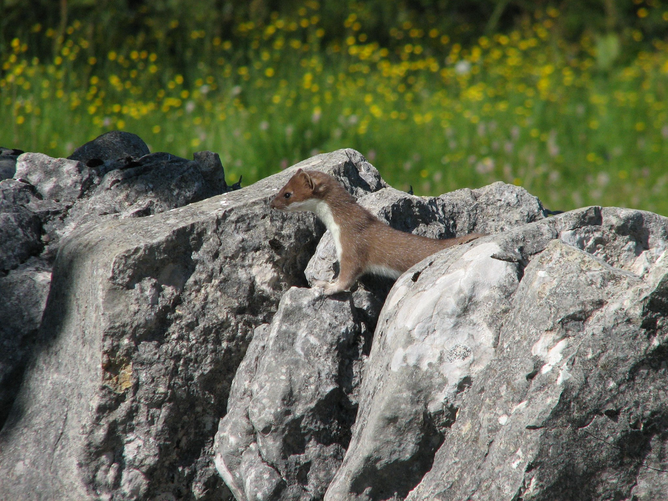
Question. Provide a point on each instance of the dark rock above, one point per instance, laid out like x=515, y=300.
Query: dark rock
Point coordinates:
x=237, y=185
x=8, y=162
x=148, y=185
x=23, y=294
x=24, y=284
x=113, y=145
x=11, y=152
x=17, y=192
x=20, y=231
x=212, y=171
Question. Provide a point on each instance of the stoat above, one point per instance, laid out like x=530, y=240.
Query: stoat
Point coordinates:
x=364, y=244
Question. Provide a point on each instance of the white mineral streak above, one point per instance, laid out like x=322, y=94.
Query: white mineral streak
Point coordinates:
x=444, y=326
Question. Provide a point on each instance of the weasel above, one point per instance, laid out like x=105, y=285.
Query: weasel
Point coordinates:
x=364, y=244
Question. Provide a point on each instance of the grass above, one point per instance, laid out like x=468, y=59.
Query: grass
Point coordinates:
x=524, y=108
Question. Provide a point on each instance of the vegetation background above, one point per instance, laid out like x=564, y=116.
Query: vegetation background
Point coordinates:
x=566, y=98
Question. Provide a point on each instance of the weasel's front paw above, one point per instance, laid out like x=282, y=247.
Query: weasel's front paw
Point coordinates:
x=320, y=285
x=328, y=288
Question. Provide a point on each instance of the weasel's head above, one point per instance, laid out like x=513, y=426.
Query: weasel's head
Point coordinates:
x=303, y=192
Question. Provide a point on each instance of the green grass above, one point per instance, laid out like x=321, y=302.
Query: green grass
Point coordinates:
x=524, y=108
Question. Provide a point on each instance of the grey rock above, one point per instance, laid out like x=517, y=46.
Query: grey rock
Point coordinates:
x=292, y=401
x=24, y=284
x=146, y=323
x=525, y=365
x=149, y=185
x=175, y=353
x=51, y=199
x=19, y=236
x=478, y=208
x=23, y=293
x=17, y=192
x=113, y=145
x=126, y=188
x=277, y=388
x=56, y=179
x=7, y=168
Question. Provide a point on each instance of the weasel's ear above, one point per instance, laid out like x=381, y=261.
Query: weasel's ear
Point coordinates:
x=308, y=180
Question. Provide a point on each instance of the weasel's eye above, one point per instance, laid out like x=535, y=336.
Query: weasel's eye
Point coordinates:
x=288, y=195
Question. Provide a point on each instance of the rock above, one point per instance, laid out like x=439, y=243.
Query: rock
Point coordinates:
x=293, y=400
x=23, y=293
x=525, y=365
x=8, y=162
x=50, y=199
x=149, y=185
x=110, y=146
x=528, y=364
x=256, y=457
x=24, y=284
x=15, y=192
x=124, y=150
x=127, y=188
x=146, y=323
x=56, y=179
x=19, y=234
x=212, y=171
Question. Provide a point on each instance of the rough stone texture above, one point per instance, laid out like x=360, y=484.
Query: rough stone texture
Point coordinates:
x=265, y=442
x=293, y=400
x=19, y=232
x=529, y=364
x=137, y=188
x=112, y=145
x=23, y=294
x=146, y=322
x=526, y=365
x=56, y=179
x=122, y=188
x=24, y=284
x=50, y=198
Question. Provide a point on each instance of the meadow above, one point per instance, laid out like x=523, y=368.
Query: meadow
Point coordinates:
x=573, y=123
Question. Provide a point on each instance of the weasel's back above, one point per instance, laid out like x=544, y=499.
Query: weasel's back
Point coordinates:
x=404, y=250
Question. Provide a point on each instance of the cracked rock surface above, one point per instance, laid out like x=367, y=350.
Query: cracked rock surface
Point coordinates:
x=529, y=364
x=160, y=345
x=43, y=200
x=146, y=321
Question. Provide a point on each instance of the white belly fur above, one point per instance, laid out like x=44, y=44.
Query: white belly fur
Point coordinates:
x=382, y=271
x=323, y=212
